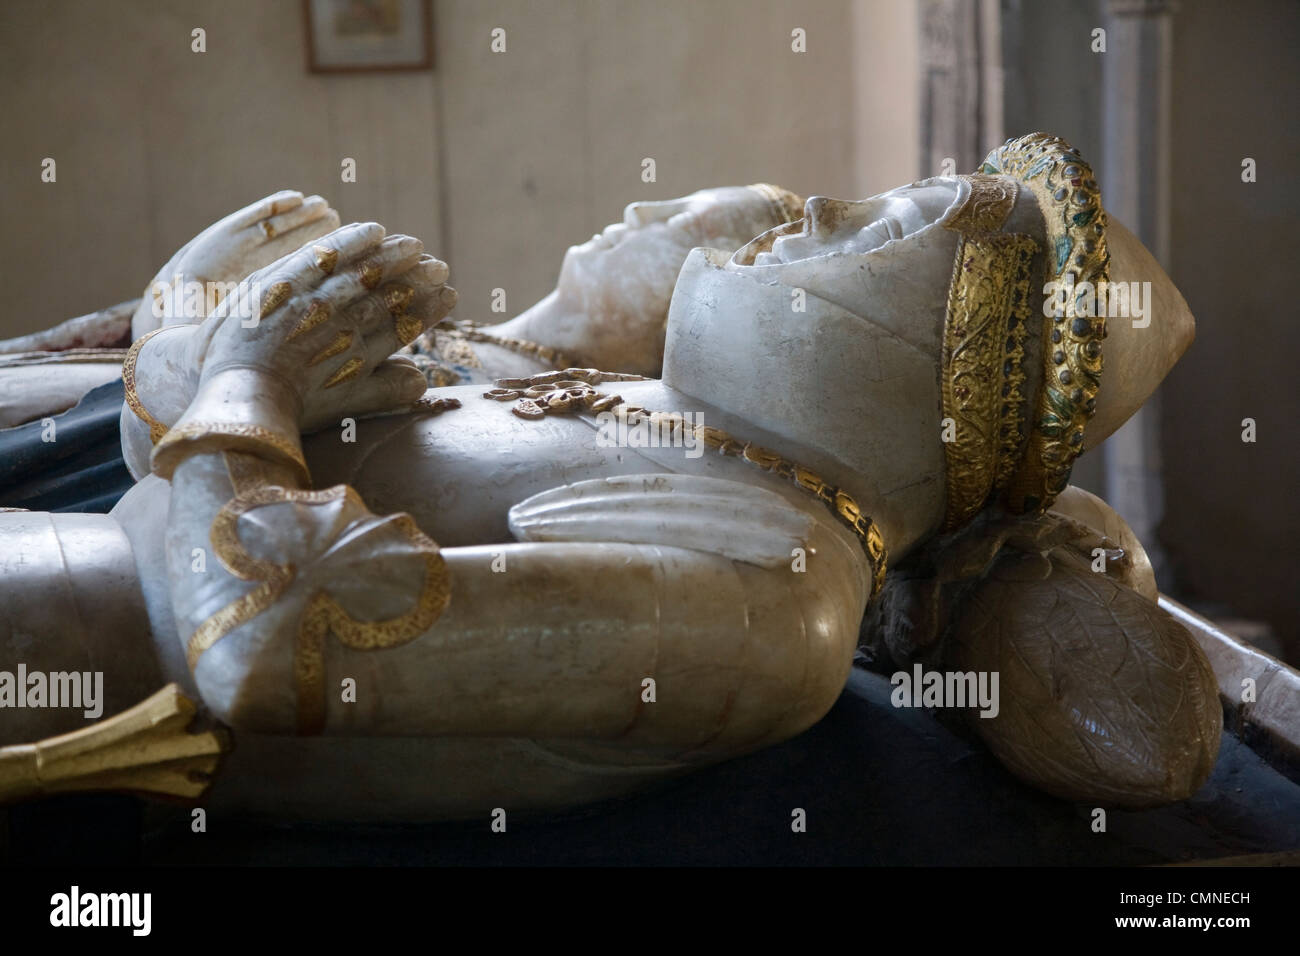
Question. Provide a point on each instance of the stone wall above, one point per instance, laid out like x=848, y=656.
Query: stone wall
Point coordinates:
x=498, y=161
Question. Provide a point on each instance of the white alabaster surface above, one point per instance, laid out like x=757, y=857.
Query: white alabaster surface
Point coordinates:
x=821, y=340
x=31, y=390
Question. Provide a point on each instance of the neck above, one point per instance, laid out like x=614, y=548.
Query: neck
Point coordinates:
x=604, y=338
x=864, y=401
x=547, y=322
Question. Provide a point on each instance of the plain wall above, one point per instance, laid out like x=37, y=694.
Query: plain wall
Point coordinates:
x=1231, y=525
x=153, y=142
x=886, y=86
x=498, y=161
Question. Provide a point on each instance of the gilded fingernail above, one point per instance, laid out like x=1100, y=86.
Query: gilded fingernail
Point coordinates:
x=371, y=273
x=275, y=297
x=317, y=314
x=339, y=343
x=408, y=328
x=348, y=370
x=398, y=298
x=326, y=258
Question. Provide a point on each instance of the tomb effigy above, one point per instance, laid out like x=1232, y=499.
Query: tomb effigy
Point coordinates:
x=412, y=602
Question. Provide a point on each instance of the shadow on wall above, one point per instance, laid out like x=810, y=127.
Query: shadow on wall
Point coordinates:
x=1231, y=524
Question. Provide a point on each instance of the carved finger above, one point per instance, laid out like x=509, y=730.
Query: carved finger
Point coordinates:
x=296, y=278
x=272, y=205
x=357, y=276
x=341, y=245
x=312, y=267
x=405, y=318
x=394, y=382
x=296, y=238
x=313, y=209
x=413, y=293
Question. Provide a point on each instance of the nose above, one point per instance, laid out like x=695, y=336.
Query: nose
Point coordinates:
x=639, y=214
x=822, y=215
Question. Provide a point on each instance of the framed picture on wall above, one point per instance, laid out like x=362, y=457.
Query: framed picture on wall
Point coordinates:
x=349, y=36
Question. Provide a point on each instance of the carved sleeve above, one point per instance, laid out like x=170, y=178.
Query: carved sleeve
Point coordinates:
x=289, y=567
x=612, y=620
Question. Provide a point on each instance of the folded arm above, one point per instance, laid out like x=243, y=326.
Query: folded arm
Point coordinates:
x=318, y=616
x=323, y=617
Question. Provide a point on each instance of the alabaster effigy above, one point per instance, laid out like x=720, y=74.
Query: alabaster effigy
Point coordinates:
x=417, y=568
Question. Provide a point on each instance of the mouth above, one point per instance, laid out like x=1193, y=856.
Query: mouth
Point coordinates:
x=758, y=251
x=794, y=246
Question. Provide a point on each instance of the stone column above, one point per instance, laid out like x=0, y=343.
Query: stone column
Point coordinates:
x=1134, y=175
x=961, y=83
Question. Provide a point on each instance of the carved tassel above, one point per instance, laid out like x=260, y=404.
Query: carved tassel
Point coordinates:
x=147, y=749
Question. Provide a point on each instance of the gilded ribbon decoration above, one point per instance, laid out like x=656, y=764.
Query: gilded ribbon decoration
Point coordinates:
x=156, y=428
x=322, y=614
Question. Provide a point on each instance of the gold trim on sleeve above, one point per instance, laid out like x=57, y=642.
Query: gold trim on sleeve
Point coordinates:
x=198, y=437
x=156, y=428
x=322, y=614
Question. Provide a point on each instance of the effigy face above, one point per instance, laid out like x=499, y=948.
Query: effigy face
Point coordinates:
x=625, y=274
x=832, y=227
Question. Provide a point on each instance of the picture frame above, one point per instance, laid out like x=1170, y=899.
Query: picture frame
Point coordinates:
x=363, y=36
